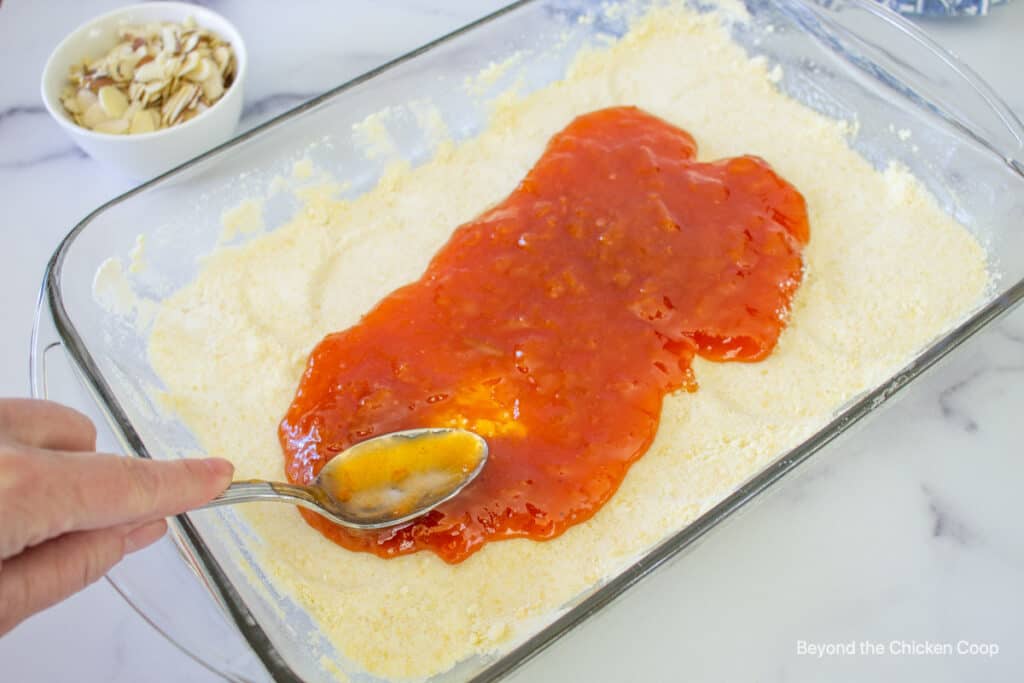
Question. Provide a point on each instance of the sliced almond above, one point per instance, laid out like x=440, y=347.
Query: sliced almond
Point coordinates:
x=70, y=102
x=144, y=121
x=204, y=69
x=133, y=108
x=125, y=70
x=155, y=87
x=96, y=81
x=222, y=55
x=152, y=92
x=190, y=42
x=170, y=64
x=113, y=101
x=114, y=126
x=94, y=116
x=170, y=39
x=85, y=98
x=213, y=87
x=189, y=64
x=150, y=71
x=173, y=107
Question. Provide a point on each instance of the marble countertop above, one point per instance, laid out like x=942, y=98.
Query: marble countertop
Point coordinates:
x=906, y=532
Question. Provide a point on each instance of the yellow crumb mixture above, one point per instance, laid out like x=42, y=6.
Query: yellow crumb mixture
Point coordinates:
x=886, y=271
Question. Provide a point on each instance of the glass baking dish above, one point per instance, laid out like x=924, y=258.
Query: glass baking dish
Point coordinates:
x=846, y=58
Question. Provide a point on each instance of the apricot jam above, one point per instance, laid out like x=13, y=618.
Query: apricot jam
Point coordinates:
x=554, y=324
x=397, y=474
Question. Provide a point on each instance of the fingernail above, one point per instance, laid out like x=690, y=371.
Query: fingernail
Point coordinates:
x=145, y=535
x=219, y=467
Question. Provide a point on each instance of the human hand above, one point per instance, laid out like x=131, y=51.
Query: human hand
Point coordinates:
x=67, y=515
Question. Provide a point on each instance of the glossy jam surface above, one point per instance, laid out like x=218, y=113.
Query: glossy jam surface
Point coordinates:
x=554, y=324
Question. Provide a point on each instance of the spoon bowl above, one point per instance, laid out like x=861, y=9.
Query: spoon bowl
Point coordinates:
x=381, y=482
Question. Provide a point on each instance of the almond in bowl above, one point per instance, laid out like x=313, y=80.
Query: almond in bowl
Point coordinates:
x=158, y=75
x=147, y=87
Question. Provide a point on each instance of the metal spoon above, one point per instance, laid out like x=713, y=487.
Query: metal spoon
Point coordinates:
x=440, y=463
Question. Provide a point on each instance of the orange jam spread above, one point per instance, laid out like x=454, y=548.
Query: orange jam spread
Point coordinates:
x=554, y=324
x=393, y=475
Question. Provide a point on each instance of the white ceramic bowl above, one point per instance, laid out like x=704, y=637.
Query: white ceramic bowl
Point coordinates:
x=148, y=154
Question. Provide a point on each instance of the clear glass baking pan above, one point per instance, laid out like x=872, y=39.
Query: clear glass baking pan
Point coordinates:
x=846, y=58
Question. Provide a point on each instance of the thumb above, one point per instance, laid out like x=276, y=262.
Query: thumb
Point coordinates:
x=45, y=574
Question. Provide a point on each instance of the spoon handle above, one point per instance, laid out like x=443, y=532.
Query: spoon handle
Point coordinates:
x=255, y=490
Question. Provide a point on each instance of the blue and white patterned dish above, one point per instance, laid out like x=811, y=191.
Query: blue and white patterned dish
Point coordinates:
x=941, y=8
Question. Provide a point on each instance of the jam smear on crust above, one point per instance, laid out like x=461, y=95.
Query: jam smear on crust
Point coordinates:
x=554, y=324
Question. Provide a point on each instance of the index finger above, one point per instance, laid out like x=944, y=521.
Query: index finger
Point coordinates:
x=45, y=424
x=57, y=493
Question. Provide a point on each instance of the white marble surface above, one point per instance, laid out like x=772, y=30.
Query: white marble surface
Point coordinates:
x=908, y=531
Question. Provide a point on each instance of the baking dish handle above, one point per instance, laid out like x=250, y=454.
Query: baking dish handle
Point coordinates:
x=893, y=50
x=182, y=612
x=983, y=114
x=44, y=340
